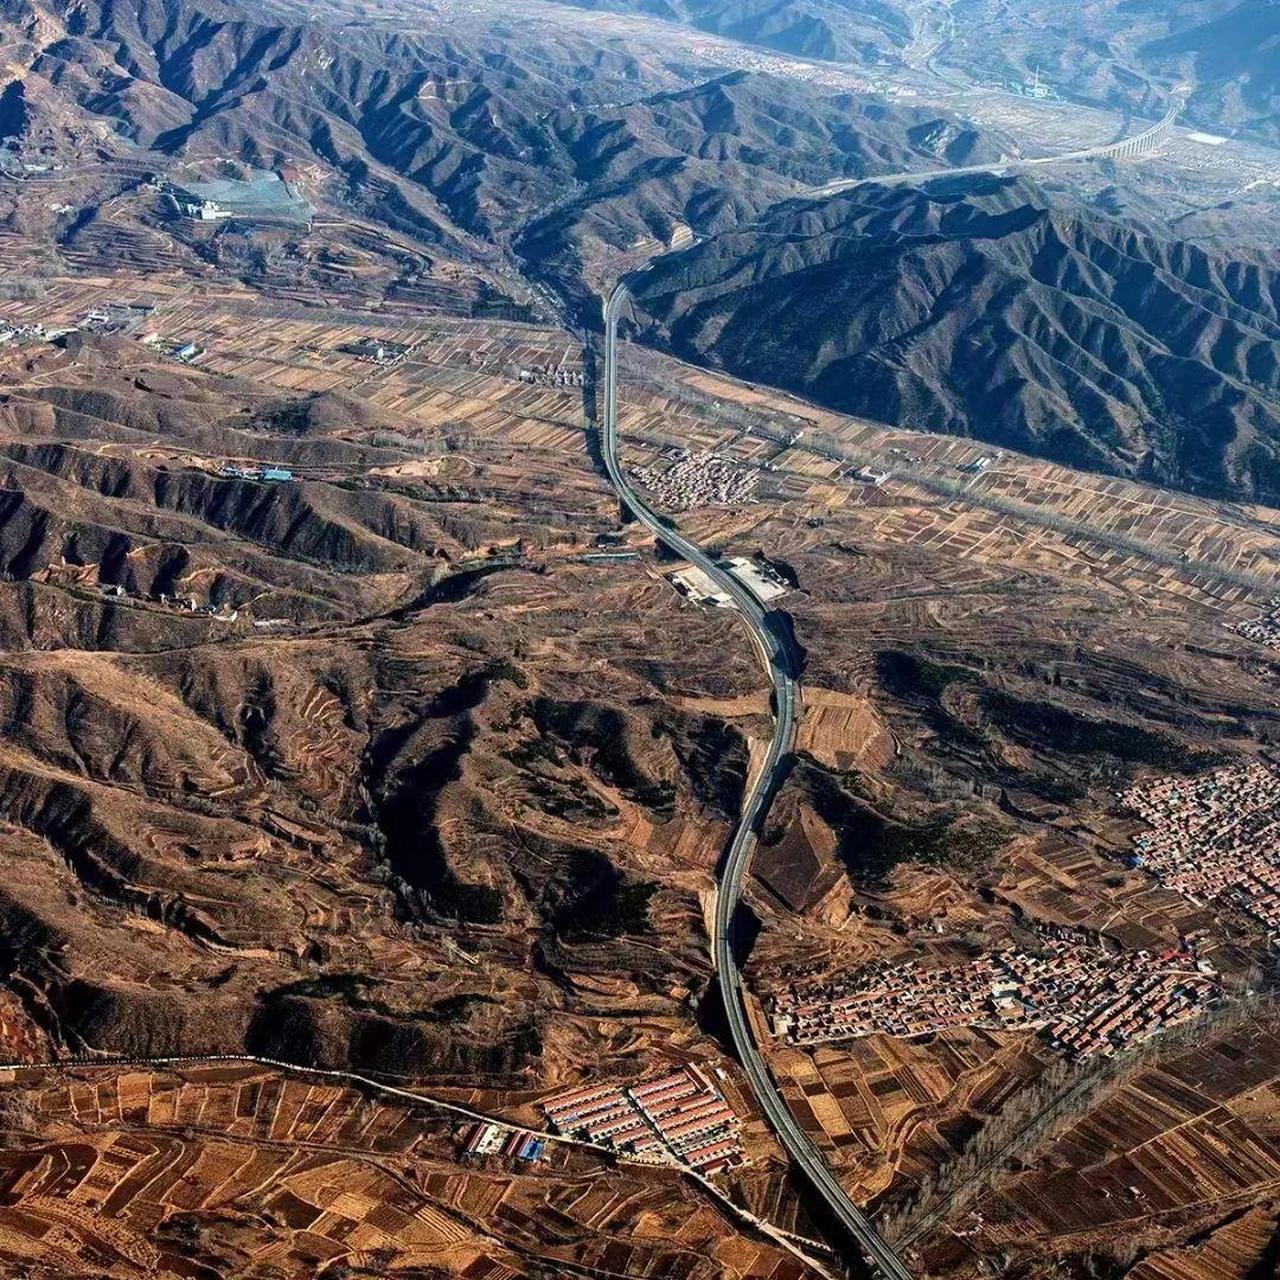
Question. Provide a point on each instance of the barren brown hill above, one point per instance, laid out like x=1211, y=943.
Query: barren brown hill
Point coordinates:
x=268, y=739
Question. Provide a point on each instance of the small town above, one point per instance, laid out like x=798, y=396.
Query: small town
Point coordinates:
x=683, y=480
x=1265, y=628
x=1084, y=997
x=1214, y=838
x=675, y=1116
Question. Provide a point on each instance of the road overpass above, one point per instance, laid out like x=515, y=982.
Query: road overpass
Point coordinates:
x=779, y=665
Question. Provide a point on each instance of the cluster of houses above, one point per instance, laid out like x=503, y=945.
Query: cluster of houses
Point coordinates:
x=682, y=480
x=381, y=351
x=113, y=317
x=1085, y=997
x=552, y=376
x=1265, y=628
x=183, y=604
x=1214, y=838
x=16, y=334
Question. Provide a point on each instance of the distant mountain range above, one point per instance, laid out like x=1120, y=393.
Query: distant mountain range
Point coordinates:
x=1128, y=52
x=845, y=30
x=1233, y=58
x=973, y=307
x=466, y=138
x=1121, y=52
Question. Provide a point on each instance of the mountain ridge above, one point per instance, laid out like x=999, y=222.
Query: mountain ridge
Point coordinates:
x=974, y=307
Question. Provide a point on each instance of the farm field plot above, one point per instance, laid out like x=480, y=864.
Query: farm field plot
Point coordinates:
x=231, y=1166
x=1071, y=883
x=1054, y=520
x=885, y=1110
x=1174, y=1172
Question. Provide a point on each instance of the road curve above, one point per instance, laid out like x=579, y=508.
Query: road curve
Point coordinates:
x=796, y=1142
x=1135, y=144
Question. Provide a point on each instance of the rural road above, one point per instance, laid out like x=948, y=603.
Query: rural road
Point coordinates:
x=778, y=662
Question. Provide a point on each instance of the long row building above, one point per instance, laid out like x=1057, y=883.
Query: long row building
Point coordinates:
x=678, y=1115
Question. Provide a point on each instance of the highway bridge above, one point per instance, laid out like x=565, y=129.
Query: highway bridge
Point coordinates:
x=780, y=667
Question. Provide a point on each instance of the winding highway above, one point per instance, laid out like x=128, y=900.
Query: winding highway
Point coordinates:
x=777, y=658
x=779, y=664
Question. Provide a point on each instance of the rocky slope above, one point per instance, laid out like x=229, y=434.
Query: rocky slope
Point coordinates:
x=702, y=160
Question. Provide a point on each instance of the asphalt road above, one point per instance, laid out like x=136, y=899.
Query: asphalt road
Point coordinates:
x=803, y=1153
